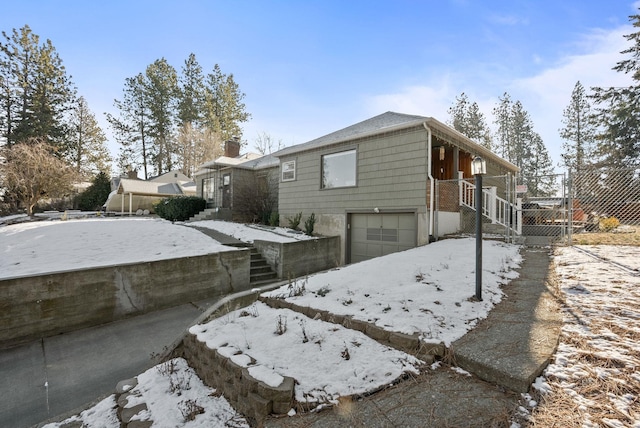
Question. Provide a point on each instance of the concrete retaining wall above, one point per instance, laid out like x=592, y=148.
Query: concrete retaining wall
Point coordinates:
x=43, y=305
x=300, y=258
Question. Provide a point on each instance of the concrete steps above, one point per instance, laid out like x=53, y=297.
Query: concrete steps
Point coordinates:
x=260, y=272
x=212, y=214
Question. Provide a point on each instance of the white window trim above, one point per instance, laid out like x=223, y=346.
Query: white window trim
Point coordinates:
x=288, y=167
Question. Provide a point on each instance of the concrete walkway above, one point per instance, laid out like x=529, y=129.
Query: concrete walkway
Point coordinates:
x=220, y=237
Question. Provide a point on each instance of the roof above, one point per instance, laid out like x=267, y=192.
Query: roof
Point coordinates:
x=392, y=121
x=263, y=162
x=148, y=188
x=173, y=176
x=382, y=123
x=223, y=161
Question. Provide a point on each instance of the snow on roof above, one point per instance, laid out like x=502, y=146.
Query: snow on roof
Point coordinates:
x=148, y=188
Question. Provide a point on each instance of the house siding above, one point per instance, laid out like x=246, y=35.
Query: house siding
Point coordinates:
x=391, y=175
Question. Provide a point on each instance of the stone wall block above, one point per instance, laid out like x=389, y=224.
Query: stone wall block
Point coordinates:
x=129, y=412
x=377, y=333
x=355, y=324
x=336, y=319
x=405, y=342
x=261, y=406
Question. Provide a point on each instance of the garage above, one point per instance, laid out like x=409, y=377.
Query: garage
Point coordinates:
x=375, y=235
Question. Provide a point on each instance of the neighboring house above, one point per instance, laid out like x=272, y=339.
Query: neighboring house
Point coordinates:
x=132, y=194
x=373, y=183
x=239, y=187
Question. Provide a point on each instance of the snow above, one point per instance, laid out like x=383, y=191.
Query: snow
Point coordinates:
x=53, y=246
x=326, y=359
x=170, y=391
x=249, y=233
x=598, y=356
x=427, y=290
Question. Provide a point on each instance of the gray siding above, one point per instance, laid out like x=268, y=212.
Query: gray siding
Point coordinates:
x=391, y=174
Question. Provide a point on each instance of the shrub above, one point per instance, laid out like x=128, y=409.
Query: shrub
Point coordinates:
x=294, y=222
x=309, y=223
x=96, y=195
x=179, y=208
x=608, y=224
x=274, y=219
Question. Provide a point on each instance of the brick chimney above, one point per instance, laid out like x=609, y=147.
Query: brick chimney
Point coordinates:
x=232, y=148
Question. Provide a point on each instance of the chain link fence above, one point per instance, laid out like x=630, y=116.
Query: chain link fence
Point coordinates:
x=605, y=200
x=555, y=207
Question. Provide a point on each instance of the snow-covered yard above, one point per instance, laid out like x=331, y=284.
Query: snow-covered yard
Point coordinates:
x=592, y=381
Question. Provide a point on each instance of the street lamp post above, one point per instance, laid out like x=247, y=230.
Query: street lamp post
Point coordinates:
x=478, y=169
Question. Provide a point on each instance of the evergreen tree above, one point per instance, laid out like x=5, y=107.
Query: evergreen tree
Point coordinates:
x=36, y=91
x=85, y=146
x=578, y=132
x=96, y=195
x=131, y=127
x=191, y=102
x=224, y=109
x=168, y=120
x=161, y=91
x=518, y=143
x=467, y=119
x=618, y=110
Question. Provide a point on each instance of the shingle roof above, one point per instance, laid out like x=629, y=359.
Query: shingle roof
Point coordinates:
x=380, y=123
x=267, y=161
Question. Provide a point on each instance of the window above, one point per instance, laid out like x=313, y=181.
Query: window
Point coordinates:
x=289, y=171
x=339, y=170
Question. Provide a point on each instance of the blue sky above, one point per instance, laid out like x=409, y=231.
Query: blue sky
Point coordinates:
x=309, y=68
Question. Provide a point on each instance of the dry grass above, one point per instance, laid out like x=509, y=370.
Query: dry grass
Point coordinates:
x=593, y=380
x=608, y=238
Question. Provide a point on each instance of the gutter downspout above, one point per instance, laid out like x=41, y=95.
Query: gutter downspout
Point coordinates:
x=431, y=182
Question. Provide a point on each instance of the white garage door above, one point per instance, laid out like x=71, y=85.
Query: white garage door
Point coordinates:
x=374, y=235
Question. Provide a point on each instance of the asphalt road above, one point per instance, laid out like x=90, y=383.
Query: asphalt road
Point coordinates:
x=55, y=375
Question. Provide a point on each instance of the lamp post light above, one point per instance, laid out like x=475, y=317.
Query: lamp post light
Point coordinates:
x=478, y=169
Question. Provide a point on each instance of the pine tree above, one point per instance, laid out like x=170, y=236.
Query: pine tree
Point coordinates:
x=578, y=132
x=518, y=143
x=96, y=195
x=618, y=110
x=131, y=127
x=85, y=147
x=467, y=119
x=36, y=91
x=224, y=109
x=161, y=92
x=191, y=102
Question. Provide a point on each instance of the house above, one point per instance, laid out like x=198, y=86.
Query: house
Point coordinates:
x=373, y=183
x=239, y=187
x=132, y=194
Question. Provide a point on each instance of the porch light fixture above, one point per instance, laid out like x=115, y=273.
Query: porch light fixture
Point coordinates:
x=441, y=152
x=478, y=169
x=478, y=166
